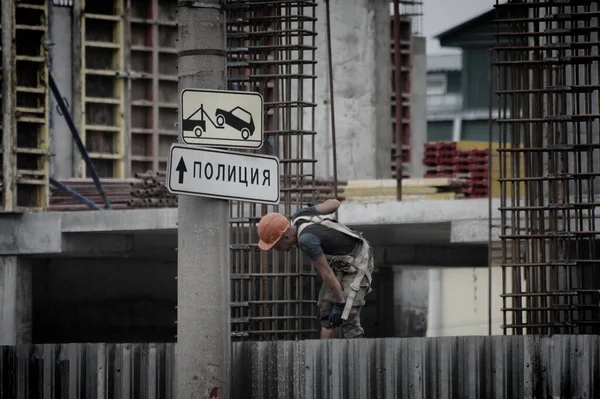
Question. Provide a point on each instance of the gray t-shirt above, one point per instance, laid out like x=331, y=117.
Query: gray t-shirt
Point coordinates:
x=317, y=240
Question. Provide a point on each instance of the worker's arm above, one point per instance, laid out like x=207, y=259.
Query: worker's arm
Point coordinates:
x=311, y=245
x=328, y=206
x=329, y=278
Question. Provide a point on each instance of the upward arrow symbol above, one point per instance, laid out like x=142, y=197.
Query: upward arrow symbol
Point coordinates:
x=181, y=169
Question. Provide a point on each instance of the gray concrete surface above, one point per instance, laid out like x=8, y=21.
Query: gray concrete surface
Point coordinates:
x=418, y=100
x=121, y=232
x=411, y=296
x=15, y=301
x=61, y=67
x=362, y=90
x=203, y=351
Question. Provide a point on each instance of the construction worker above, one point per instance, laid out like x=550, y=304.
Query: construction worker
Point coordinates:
x=343, y=258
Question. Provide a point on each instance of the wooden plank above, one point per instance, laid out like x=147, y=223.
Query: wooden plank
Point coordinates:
x=411, y=182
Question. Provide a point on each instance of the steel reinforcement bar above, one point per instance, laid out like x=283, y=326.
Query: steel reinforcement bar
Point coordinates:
x=547, y=77
x=272, y=51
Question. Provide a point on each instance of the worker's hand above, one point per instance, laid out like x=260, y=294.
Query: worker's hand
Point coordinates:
x=335, y=315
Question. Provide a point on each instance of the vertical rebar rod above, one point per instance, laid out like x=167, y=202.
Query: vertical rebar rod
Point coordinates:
x=398, y=99
x=331, y=99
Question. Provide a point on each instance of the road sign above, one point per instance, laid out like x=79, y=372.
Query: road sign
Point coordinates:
x=220, y=118
x=215, y=173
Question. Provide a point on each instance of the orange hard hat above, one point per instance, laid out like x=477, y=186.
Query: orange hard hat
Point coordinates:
x=270, y=229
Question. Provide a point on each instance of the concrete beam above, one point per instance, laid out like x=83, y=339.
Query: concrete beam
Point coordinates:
x=128, y=220
x=473, y=231
x=15, y=301
x=145, y=245
x=386, y=213
x=30, y=233
x=439, y=256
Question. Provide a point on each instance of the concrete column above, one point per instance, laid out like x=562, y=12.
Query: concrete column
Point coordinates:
x=362, y=74
x=418, y=104
x=15, y=301
x=411, y=287
x=434, y=319
x=61, y=67
x=203, y=351
x=457, y=128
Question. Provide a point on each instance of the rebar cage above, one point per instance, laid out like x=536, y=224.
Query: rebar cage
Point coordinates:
x=272, y=51
x=546, y=72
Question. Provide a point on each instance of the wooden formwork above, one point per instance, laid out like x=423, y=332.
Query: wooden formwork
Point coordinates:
x=25, y=135
x=102, y=98
x=404, y=91
x=151, y=47
x=128, y=90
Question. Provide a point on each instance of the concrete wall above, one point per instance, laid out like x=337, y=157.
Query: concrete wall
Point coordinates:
x=418, y=99
x=458, y=301
x=109, y=300
x=362, y=89
x=61, y=67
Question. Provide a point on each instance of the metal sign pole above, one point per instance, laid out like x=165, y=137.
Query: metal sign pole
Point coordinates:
x=203, y=350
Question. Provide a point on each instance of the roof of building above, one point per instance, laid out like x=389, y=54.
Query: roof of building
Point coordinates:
x=444, y=62
x=466, y=24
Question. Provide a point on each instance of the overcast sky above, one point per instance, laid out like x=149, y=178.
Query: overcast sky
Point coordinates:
x=440, y=15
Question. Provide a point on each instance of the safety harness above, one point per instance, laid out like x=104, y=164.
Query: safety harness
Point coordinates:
x=359, y=264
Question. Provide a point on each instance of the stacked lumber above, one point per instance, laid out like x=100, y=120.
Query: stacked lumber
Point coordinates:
x=117, y=191
x=383, y=190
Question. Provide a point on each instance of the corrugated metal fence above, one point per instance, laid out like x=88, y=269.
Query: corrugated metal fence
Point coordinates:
x=449, y=367
x=87, y=371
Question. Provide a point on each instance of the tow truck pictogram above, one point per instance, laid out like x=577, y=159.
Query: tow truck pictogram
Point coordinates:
x=238, y=118
x=198, y=126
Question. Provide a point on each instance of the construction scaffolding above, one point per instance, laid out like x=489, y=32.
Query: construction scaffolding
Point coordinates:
x=152, y=87
x=547, y=77
x=25, y=138
x=272, y=51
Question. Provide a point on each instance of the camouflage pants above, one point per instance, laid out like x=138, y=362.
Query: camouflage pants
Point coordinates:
x=350, y=328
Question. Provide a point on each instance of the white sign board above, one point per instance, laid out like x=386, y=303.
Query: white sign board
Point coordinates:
x=208, y=172
x=220, y=118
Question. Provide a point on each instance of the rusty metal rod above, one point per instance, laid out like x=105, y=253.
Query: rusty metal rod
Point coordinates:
x=398, y=99
x=331, y=99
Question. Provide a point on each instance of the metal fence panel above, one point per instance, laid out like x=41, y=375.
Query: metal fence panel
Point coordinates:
x=87, y=371
x=446, y=367
x=442, y=368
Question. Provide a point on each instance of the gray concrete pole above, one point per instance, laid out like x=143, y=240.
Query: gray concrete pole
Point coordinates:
x=15, y=301
x=203, y=350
